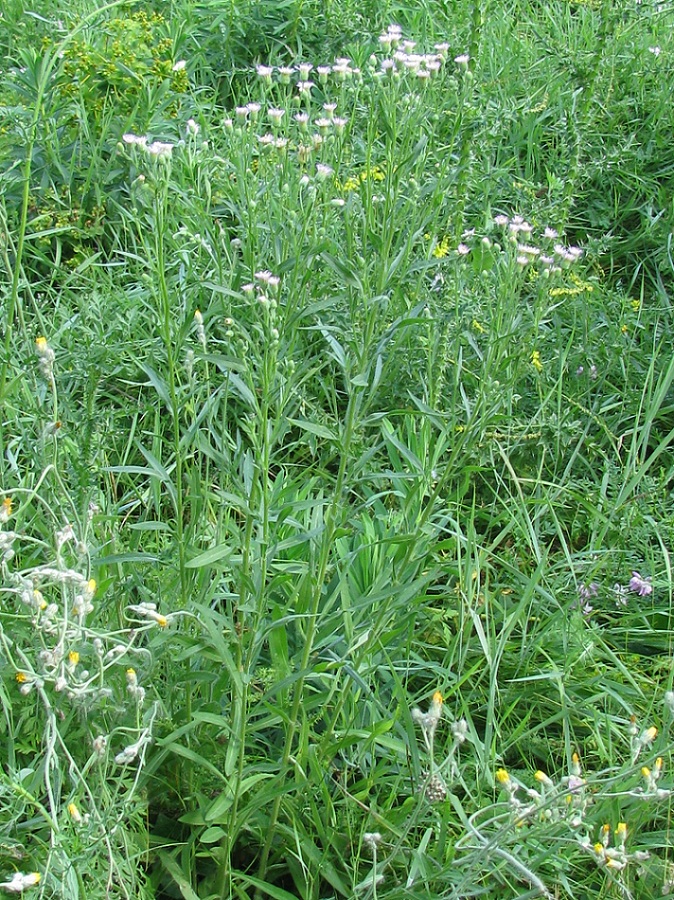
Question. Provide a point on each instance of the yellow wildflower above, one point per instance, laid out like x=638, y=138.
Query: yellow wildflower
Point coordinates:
x=74, y=813
x=6, y=509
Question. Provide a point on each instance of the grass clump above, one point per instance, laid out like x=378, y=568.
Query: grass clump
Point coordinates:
x=336, y=464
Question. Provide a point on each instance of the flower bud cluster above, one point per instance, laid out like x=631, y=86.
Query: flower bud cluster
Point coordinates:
x=544, y=251
x=160, y=150
x=612, y=855
x=567, y=800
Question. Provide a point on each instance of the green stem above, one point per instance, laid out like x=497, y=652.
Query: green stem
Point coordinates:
x=326, y=548
x=165, y=308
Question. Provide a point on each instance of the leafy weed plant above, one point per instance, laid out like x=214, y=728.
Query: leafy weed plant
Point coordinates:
x=328, y=407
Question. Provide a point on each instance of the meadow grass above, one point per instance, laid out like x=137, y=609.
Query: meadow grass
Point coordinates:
x=336, y=473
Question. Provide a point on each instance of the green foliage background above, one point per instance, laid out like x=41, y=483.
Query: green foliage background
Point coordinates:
x=404, y=464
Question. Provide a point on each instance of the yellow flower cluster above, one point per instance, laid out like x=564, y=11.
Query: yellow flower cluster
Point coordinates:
x=579, y=287
x=353, y=182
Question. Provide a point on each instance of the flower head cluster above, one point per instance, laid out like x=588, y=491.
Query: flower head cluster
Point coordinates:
x=651, y=778
x=72, y=657
x=640, y=585
x=550, y=258
x=612, y=856
x=157, y=149
x=586, y=593
x=326, y=124
x=372, y=839
x=340, y=70
x=544, y=251
x=565, y=801
x=403, y=58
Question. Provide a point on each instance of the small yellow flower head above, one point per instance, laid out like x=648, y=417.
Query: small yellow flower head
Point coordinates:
x=6, y=509
x=657, y=768
x=131, y=674
x=541, y=777
x=21, y=677
x=199, y=322
x=536, y=361
x=502, y=777
x=646, y=772
x=649, y=735
x=435, y=709
x=621, y=833
x=73, y=657
x=91, y=588
x=598, y=848
x=162, y=621
x=575, y=764
x=605, y=833
x=612, y=863
x=74, y=813
x=38, y=599
x=46, y=357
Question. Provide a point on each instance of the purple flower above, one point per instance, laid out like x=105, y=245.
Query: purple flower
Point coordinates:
x=639, y=585
x=586, y=591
